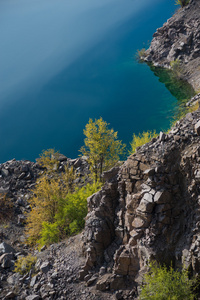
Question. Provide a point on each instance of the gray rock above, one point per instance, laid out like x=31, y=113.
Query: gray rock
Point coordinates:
x=10, y=295
x=5, y=248
x=33, y=297
x=33, y=280
x=5, y=172
x=197, y=127
x=14, y=279
x=6, y=260
x=45, y=267
x=162, y=136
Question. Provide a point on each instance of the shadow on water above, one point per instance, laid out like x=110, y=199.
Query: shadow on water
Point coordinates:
x=180, y=89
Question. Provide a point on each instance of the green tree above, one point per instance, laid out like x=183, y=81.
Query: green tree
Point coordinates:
x=101, y=146
x=49, y=160
x=162, y=283
x=182, y=2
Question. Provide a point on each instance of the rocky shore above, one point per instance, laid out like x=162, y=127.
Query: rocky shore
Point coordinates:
x=179, y=39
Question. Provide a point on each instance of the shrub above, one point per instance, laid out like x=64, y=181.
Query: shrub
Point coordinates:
x=182, y=2
x=183, y=110
x=70, y=216
x=23, y=265
x=161, y=283
x=141, y=54
x=49, y=160
x=57, y=209
x=141, y=139
x=44, y=206
x=176, y=67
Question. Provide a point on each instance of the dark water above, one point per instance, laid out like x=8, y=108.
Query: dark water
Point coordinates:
x=65, y=61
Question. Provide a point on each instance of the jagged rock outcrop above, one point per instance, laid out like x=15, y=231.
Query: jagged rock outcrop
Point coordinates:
x=179, y=38
x=150, y=210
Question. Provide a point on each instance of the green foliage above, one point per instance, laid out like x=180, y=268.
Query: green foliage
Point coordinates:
x=57, y=208
x=176, y=68
x=49, y=160
x=183, y=110
x=182, y=2
x=162, y=283
x=141, y=139
x=70, y=216
x=101, y=146
x=23, y=265
x=49, y=234
x=141, y=54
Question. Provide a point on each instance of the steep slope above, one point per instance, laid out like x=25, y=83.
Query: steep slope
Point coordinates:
x=150, y=210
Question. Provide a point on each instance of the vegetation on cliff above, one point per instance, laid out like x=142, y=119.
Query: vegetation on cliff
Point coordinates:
x=162, y=283
x=182, y=2
x=58, y=206
x=141, y=139
x=101, y=146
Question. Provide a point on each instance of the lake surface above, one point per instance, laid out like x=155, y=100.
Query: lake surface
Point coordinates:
x=65, y=61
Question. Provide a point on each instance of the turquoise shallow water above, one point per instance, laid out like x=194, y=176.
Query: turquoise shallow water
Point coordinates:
x=63, y=62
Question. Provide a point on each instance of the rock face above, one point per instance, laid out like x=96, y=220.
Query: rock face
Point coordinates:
x=150, y=210
x=179, y=38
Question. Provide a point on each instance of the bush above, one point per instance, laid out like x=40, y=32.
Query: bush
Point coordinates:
x=141, y=139
x=182, y=2
x=70, y=216
x=162, y=283
x=23, y=265
x=141, y=54
x=58, y=209
x=49, y=160
x=176, y=68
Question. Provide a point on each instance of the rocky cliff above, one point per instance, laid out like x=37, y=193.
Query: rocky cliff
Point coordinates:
x=179, y=39
x=150, y=209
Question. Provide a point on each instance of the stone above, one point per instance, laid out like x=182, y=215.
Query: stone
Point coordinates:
x=149, y=172
x=148, y=197
x=145, y=206
x=162, y=197
x=6, y=260
x=197, y=127
x=103, y=283
x=5, y=173
x=33, y=280
x=13, y=279
x=138, y=223
x=6, y=248
x=45, y=267
x=10, y=295
x=162, y=136
x=32, y=297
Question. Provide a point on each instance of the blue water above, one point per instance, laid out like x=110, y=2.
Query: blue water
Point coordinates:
x=65, y=61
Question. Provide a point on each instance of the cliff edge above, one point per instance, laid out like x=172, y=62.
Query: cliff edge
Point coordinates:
x=149, y=210
x=179, y=39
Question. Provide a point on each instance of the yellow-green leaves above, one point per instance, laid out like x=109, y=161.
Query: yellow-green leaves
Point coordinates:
x=182, y=2
x=141, y=139
x=101, y=146
x=162, y=283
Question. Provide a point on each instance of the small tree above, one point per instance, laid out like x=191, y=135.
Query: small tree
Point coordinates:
x=49, y=160
x=182, y=2
x=101, y=146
